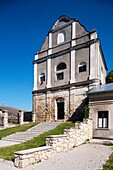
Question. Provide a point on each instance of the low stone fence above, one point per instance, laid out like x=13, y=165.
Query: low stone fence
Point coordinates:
x=56, y=143
x=21, y=116
x=72, y=137
x=5, y=119
x=32, y=156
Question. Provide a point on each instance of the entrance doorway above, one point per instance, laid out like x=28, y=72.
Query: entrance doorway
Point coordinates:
x=60, y=108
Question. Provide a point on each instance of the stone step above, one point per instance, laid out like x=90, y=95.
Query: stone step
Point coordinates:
x=11, y=140
x=19, y=137
x=24, y=134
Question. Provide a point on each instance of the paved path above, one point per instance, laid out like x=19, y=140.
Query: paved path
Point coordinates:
x=84, y=157
x=29, y=134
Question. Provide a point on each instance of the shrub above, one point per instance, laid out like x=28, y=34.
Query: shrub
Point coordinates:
x=85, y=111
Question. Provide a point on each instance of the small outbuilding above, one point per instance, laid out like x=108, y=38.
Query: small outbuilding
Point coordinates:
x=101, y=110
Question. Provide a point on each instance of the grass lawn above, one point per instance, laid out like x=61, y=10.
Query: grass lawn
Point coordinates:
x=19, y=128
x=109, y=163
x=8, y=152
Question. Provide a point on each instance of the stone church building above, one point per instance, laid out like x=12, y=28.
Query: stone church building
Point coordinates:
x=69, y=63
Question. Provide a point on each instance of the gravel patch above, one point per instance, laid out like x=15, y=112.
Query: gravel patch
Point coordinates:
x=84, y=157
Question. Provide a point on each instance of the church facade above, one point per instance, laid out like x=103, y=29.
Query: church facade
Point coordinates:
x=69, y=63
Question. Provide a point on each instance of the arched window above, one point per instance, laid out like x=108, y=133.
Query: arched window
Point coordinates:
x=61, y=66
x=42, y=78
x=60, y=71
x=61, y=37
x=82, y=67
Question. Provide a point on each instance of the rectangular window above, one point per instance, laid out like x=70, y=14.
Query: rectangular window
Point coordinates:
x=60, y=76
x=103, y=119
x=42, y=78
x=82, y=68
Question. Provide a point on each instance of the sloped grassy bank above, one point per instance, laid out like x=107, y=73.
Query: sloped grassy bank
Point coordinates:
x=8, y=152
x=19, y=128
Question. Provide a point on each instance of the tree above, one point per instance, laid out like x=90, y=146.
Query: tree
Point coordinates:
x=109, y=77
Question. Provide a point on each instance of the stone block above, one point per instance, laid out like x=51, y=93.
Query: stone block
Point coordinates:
x=16, y=162
x=23, y=163
x=32, y=160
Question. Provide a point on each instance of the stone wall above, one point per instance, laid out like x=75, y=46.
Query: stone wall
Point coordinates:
x=31, y=156
x=56, y=143
x=45, y=104
x=72, y=137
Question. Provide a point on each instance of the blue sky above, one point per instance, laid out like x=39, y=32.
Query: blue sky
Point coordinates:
x=24, y=25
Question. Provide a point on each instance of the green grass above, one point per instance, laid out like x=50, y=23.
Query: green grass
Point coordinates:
x=109, y=163
x=108, y=143
x=8, y=152
x=20, y=128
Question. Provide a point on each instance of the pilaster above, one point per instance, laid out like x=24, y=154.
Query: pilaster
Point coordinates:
x=49, y=62
x=93, y=57
x=48, y=72
x=72, y=64
x=5, y=119
x=21, y=117
x=35, y=74
x=50, y=44
x=72, y=80
x=35, y=77
x=73, y=33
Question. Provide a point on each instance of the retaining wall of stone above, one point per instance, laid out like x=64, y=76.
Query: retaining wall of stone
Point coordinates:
x=32, y=156
x=56, y=143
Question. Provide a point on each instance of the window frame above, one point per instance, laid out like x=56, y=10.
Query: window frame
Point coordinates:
x=61, y=37
x=62, y=65
x=60, y=69
x=42, y=78
x=61, y=76
x=103, y=119
x=82, y=67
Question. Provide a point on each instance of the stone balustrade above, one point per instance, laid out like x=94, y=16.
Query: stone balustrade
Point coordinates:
x=71, y=138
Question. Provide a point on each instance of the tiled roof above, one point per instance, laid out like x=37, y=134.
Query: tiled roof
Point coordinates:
x=101, y=89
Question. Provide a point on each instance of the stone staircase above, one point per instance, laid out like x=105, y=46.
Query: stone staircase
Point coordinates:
x=31, y=133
